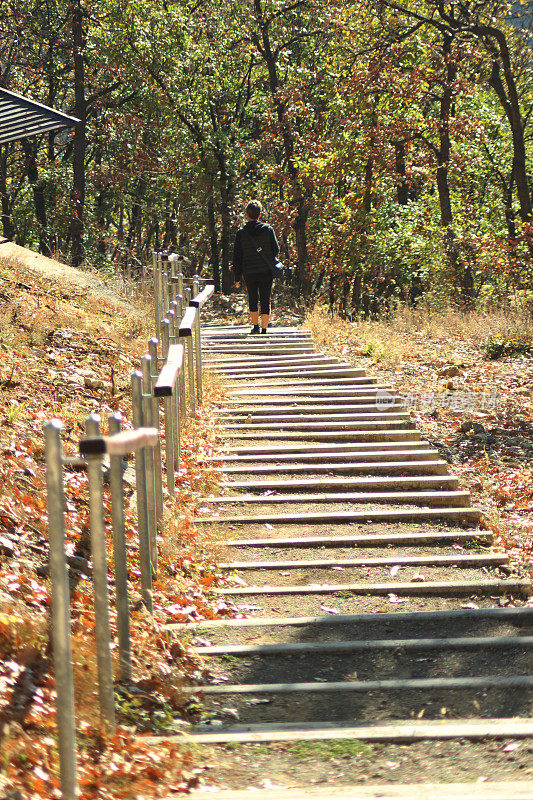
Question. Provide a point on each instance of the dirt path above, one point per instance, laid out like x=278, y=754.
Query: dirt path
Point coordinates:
x=381, y=636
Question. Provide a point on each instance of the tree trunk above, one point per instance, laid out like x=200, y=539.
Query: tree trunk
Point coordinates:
x=443, y=152
x=343, y=302
x=8, y=227
x=133, y=239
x=402, y=184
x=509, y=98
x=331, y=294
x=226, y=198
x=227, y=201
x=369, y=176
x=357, y=292
x=213, y=240
x=80, y=135
x=510, y=221
x=299, y=198
x=39, y=203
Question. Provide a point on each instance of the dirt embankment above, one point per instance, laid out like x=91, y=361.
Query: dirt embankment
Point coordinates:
x=50, y=270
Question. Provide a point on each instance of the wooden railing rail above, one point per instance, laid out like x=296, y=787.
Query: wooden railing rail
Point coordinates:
x=161, y=378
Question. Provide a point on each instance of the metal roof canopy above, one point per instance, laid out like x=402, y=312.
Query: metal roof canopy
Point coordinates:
x=20, y=117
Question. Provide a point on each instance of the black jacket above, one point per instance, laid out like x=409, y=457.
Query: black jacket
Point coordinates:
x=246, y=259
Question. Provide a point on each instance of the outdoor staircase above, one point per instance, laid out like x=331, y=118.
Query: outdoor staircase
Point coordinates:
x=375, y=606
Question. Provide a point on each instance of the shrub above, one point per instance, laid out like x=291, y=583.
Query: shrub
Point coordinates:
x=508, y=344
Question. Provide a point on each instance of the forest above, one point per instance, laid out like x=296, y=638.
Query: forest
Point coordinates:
x=390, y=141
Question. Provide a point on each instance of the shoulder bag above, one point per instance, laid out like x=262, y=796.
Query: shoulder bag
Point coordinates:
x=276, y=267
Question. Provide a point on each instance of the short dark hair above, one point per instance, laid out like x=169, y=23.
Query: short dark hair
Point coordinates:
x=253, y=209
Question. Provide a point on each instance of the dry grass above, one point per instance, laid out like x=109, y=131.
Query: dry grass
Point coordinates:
x=413, y=351
x=389, y=340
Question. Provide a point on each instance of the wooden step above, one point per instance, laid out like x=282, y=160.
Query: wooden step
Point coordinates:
x=510, y=615
x=365, y=540
x=422, y=468
x=294, y=413
x=260, y=375
x=299, y=380
x=286, y=391
x=284, y=403
x=266, y=348
x=277, y=463
x=459, y=559
x=296, y=421
x=483, y=682
x=236, y=451
x=301, y=366
x=398, y=731
x=340, y=464
x=374, y=422
x=450, y=498
x=244, y=361
x=313, y=648
x=518, y=586
x=332, y=517
x=396, y=435
x=424, y=479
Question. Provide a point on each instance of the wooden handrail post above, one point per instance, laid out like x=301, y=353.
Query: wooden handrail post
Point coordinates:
x=155, y=277
x=100, y=581
x=142, y=510
x=158, y=476
x=182, y=398
x=164, y=293
x=190, y=361
x=119, y=548
x=62, y=647
x=198, y=342
x=147, y=398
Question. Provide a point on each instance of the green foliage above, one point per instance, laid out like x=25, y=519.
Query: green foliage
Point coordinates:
x=331, y=113
x=513, y=343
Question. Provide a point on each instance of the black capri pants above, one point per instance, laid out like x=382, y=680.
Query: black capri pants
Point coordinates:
x=259, y=288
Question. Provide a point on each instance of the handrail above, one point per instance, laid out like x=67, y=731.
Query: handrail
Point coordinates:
x=162, y=376
x=205, y=294
x=169, y=374
x=121, y=444
x=187, y=323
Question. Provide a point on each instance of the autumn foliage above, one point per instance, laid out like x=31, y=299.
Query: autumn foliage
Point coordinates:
x=67, y=355
x=390, y=142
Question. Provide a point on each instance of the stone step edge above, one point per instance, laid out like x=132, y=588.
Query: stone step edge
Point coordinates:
x=441, y=588
x=489, y=559
x=384, y=435
x=401, y=731
x=297, y=648
x=339, y=400
x=396, y=515
x=415, y=453
x=458, y=497
x=376, y=481
x=447, y=615
x=370, y=540
x=303, y=449
x=385, y=684
x=324, y=425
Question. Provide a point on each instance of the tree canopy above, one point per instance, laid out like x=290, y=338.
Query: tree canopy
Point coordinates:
x=389, y=140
